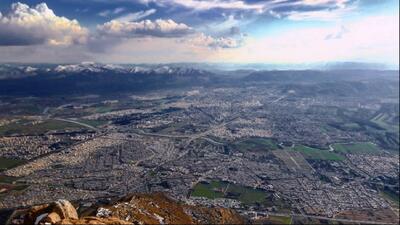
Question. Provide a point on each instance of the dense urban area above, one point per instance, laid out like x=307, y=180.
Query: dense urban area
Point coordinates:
x=275, y=146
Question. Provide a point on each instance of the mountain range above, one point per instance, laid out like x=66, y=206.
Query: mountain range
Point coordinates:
x=95, y=78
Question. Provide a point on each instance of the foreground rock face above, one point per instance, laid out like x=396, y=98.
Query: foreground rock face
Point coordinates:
x=159, y=209
x=134, y=209
x=59, y=212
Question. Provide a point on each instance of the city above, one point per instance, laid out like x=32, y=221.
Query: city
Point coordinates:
x=259, y=149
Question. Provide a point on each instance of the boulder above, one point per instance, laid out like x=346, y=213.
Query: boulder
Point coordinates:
x=34, y=212
x=51, y=213
x=52, y=218
x=64, y=209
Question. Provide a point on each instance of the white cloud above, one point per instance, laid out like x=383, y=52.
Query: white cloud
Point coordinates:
x=322, y=15
x=339, y=33
x=338, y=3
x=136, y=16
x=209, y=4
x=104, y=13
x=256, y=6
x=107, y=13
x=224, y=4
x=324, y=10
x=119, y=10
x=113, y=34
x=202, y=39
x=156, y=28
x=364, y=39
x=39, y=25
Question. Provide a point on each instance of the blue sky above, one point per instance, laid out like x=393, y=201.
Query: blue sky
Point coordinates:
x=158, y=31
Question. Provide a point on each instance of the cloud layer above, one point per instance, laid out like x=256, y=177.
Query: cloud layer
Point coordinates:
x=136, y=15
x=204, y=40
x=199, y=30
x=23, y=25
x=280, y=7
x=157, y=28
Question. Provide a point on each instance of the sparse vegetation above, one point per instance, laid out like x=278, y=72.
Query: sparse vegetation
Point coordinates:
x=220, y=189
x=392, y=197
x=6, y=163
x=356, y=148
x=278, y=220
x=35, y=128
x=317, y=154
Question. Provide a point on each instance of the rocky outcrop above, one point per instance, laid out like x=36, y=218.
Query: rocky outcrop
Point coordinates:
x=134, y=209
x=64, y=209
x=159, y=209
x=94, y=220
x=59, y=212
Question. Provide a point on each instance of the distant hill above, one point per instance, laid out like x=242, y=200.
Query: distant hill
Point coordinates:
x=316, y=76
x=333, y=82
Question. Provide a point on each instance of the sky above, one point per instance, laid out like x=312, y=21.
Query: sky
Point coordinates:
x=230, y=31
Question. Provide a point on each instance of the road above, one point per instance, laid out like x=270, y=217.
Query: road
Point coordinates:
x=332, y=219
x=76, y=122
x=189, y=141
x=140, y=132
x=278, y=99
x=294, y=161
x=46, y=113
x=191, y=137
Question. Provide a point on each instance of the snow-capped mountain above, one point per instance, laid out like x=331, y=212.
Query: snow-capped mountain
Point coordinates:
x=97, y=78
x=12, y=71
x=86, y=67
x=89, y=67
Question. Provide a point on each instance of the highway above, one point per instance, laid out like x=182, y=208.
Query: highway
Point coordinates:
x=76, y=122
x=332, y=219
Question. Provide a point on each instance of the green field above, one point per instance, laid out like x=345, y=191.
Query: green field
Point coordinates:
x=351, y=126
x=7, y=179
x=392, y=197
x=279, y=220
x=386, y=122
x=27, y=128
x=208, y=190
x=25, y=108
x=6, y=163
x=10, y=184
x=103, y=109
x=220, y=189
x=317, y=154
x=255, y=144
x=356, y=148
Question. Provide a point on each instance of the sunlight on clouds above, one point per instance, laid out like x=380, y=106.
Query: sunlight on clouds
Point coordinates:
x=159, y=28
x=211, y=4
x=39, y=25
x=128, y=38
x=203, y=40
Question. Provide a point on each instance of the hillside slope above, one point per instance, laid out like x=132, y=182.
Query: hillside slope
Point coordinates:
x=134, y=209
